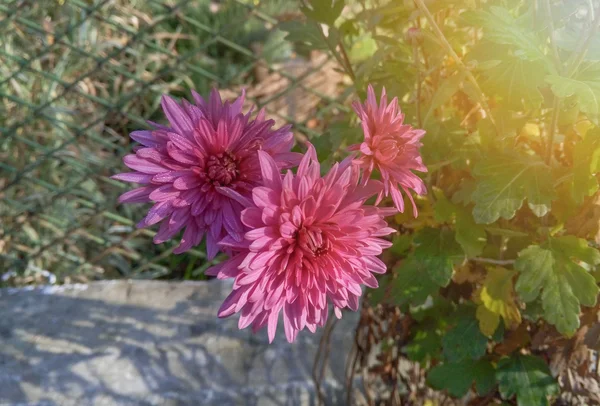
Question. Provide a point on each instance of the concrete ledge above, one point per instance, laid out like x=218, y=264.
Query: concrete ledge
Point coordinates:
x=152, y=343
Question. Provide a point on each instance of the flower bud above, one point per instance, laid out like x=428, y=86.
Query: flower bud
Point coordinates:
x=414, y=36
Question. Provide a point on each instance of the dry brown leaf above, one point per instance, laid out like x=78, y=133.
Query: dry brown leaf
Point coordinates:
x=514, y=340
x=586, y=224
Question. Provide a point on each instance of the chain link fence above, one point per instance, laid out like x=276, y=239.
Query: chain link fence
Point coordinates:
x=77, y=76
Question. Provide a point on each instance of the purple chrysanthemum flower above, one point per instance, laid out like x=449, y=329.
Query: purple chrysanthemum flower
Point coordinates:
x=190, y=168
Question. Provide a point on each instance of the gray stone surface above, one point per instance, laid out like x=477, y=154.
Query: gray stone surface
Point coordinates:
x=152, y=343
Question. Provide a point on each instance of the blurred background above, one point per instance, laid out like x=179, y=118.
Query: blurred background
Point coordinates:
x=77, y=76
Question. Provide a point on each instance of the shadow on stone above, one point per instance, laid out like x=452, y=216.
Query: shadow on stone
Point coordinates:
x=152, y=343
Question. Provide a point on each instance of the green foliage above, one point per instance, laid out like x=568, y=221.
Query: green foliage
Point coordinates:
x=436, y=253
x=586, y=163
x=506, y=236
x=324, y=11
x=505, y=180
x=457, y=378
x=470, y=235
x=516, y=81
x=464, y=341
x=309, y=34
x=528, y=378
x=587, y=91
x=553, y=269
x=501, y=27
x=413, y=283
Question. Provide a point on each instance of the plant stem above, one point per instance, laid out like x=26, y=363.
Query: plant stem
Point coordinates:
x=421, y=5
x=418, y=68
x=343, y=60
x=552, y=43
x=347, y=60
x=494, y=261
x=550, y=141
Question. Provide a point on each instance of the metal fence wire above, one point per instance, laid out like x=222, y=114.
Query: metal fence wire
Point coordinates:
x=77, y=76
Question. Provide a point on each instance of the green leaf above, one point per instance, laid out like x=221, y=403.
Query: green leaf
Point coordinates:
x=457, y=378
x=444, y=209
x=464, y=340
x=307, y=33
x=470, y=235
x=465, y=191
x=505, y=180
x=586, y=90
x=378, y=295
x=516, y=81
x=412, y=284
x=497, y=300
x=586, y=156
x=437, y=252
x=401, y=244
x=528, y=378
x=501, y=27
x=362, y=49
x=443, y=140
x=425, y=342
x=326, y=144
x=324, y=11
x=552, y=269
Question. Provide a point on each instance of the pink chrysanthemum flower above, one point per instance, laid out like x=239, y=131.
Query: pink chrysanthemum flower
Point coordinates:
x=390, y=147
x=311, y=242
x=187, y=168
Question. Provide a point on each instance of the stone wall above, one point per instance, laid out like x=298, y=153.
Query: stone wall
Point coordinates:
x=152, y=343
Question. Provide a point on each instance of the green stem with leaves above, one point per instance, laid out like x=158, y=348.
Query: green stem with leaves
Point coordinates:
x=421, y=5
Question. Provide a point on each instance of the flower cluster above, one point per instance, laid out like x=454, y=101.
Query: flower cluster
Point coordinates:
x=298, y=242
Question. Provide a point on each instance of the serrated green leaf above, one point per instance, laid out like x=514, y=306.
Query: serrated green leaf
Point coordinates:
x=437, y=252
x=501, y=27
x=587, y=91
x=528, y=378
x=464, y=340
x=412, y=284
x=552, y=268
x=516, y=81
x=458, y=377
x=505, y=180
